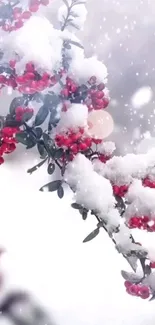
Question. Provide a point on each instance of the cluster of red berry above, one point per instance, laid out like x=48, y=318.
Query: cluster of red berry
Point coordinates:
x=18, y=16
x=96, y=99
x=138, y=290
x=69, y=88
x=148, y=182
x=103, y=158
x=7, y=141
x=144, y=223
x=30, y=82
x=75, y=142
x=120, y=190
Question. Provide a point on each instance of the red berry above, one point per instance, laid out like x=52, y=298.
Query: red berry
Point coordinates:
x=44, y=2
x=29, y=67
x=67, y=142
x=29, y=76
x=75, y=136
x=19, y=23
x=82, y=146
x=144, y=292
x=152, y=265
x=12, y=147
x=133, y=290
x=97, y=141
x=99, y=94
x=99, y=102
x=101, y=86
x=1, y=160
x=7, y=131
x=20, y=79
x=34, y=8
x=103, y=158
x=127, y=284
x=26, y=14
x=105, y=102
x=34, y=85
x=19, y=110
x=145, y=219
x=45, y=76
x=74, y=148
x=2, y=79
x=12, y=63
x=88, y=142
x=92, y=80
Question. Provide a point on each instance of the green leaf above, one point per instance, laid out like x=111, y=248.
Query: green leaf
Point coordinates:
x=38, y=131
x=41, y=149
x=76, y=206
x=33, y=169
x=92, y=235
x=27, y=116
x=31, y=142
x=59, y=153
x=152, y=298
x=76, y=44
x=84, y=213
x=51, y=168
x=52, y=186
x=60, y=192
x=22, y=137
x=41, y=115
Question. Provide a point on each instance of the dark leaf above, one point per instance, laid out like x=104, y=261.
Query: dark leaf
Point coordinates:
x=18, y=101
x=54, y=119
x=51, y=168
x=92, y=235
x=38, y=132
x=59, y=153
x=31, y=142
x=63, y=170
x=41, y=115
x=41, y=149
x=66, y=3
x=132, y=260
x=47, y=140
x=22, y=137
x=27, y=116
x=60, y=192
x=132, y=277
x=147, y=270
x=33, y=169
x=152, y=298
x=54, y=100
x=84, y=214
x=52, y=186
x=76, y=206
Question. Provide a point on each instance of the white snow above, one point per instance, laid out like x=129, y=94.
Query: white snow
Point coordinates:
x=141, y=201
x=75, y=117
x=121, y=170
x=83, y=69
x=106, y=148
x=92, y=190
